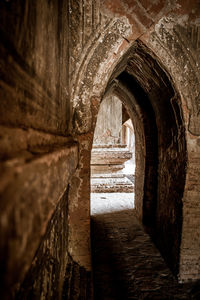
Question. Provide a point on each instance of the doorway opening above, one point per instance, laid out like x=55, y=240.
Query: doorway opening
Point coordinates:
x=113, y=159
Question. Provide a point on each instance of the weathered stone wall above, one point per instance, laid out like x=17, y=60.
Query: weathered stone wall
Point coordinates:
x=38, y=157
x=53, y=273
x=34, y=63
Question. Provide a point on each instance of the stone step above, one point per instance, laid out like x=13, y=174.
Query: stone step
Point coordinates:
x=102, y=169
x=107, y=184
x=110, y=156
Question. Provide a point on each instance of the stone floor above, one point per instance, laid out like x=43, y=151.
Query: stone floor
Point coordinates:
x=109, y=202
x=126, y=265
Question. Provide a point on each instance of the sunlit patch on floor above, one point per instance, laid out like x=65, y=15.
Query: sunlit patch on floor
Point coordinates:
x=111, y=202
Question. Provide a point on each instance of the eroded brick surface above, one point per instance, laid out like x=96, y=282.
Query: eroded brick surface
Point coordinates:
x=56, y=275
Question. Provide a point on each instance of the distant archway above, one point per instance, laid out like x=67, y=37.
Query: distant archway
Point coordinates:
x=112, y=159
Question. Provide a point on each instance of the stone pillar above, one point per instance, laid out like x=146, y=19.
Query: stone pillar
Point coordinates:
x=109, y=123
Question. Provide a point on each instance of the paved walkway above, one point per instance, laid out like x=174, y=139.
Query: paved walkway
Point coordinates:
x=126, y=264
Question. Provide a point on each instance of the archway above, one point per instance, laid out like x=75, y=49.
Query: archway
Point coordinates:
x=150, y=97
x=153, y=103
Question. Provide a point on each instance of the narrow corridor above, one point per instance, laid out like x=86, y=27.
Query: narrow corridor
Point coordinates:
x=126, y=265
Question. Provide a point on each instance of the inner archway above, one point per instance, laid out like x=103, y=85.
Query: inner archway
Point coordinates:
x=113, y=158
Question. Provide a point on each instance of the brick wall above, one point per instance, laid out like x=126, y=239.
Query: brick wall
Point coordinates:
x=38, y=157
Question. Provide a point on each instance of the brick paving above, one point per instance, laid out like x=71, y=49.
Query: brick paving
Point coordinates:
x=126, y=265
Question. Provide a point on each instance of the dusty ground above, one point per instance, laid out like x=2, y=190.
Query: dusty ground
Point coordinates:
x=126, y=265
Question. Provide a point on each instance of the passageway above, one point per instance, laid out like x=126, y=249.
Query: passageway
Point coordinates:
x=126, y=264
